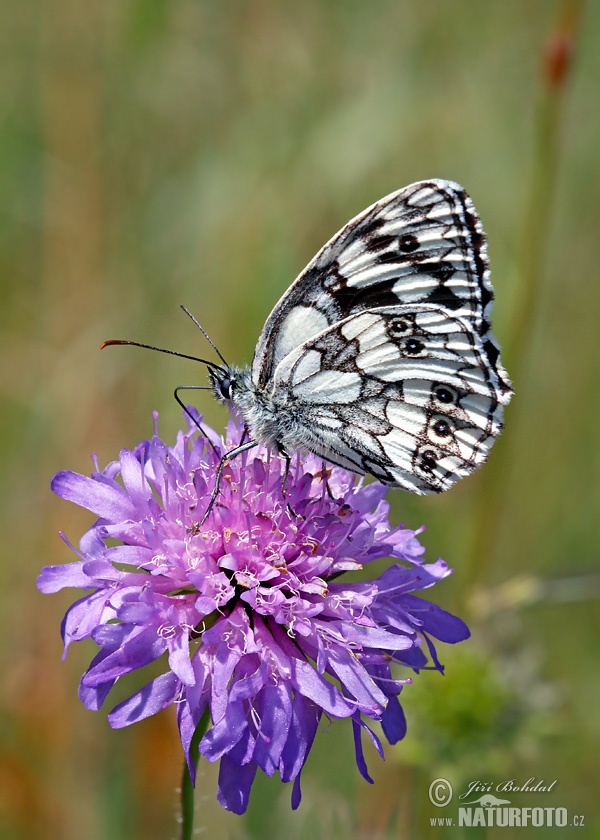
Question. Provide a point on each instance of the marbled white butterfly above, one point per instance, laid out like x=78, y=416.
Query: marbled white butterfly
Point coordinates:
x=379, y=357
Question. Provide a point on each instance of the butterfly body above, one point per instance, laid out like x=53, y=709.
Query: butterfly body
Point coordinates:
x=264, y=418
x=380, y=356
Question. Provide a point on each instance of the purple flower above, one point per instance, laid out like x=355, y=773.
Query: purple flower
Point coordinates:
x=247, y=610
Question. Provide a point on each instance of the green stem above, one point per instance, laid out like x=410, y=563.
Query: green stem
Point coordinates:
x=187, y=787
x=557, y=62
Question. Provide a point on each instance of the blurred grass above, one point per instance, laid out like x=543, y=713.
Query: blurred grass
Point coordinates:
x=160, y=153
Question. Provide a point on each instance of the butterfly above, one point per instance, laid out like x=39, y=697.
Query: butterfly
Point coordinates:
x=380, y=357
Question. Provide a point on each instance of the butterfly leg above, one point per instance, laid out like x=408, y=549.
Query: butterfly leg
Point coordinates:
x=325, y=473
x=237, y=450
x=288, y=461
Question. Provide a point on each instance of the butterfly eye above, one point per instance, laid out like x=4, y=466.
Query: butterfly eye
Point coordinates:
x=225, y=386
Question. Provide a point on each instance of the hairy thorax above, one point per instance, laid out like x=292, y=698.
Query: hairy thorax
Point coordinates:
x=269, y=422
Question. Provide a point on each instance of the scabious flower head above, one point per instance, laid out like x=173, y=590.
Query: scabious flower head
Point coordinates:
x=247, y=610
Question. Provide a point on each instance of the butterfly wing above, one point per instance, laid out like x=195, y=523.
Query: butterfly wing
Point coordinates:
x=403, y=392
x=423, y=244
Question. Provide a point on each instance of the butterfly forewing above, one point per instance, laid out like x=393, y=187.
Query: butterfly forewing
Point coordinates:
x=421, y=244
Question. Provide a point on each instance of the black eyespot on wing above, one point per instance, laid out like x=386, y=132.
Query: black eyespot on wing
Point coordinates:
x=428, y=460
x=398, y=327
x=445, y=395
x=412, y=346
x=441, y=427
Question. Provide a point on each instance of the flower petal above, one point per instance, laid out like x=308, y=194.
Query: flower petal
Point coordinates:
x=235, y=782
x=302, y=730
x=149, y=700
x=441, y=624
x=226, y=733
x=312, y=685
x=393, y=721
x=275, y=711
x=107, y=502
x=142, y=647
x=54, y=578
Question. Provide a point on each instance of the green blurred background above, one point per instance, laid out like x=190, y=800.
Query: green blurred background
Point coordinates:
x=159, y=152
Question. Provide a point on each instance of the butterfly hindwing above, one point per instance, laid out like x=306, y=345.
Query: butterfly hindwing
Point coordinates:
x=404, y=393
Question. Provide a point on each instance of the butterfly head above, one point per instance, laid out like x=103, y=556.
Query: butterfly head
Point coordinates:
x=227, y=382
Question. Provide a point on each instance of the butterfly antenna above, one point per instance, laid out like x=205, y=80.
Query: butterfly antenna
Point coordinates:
x=212, y=365
x=205, y=334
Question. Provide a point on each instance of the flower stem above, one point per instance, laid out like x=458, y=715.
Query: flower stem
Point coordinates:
x=187, y=786
x=556, y=64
